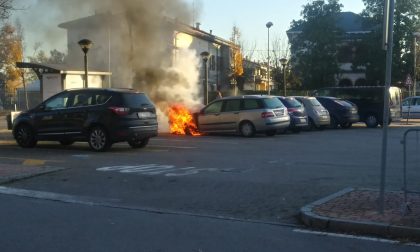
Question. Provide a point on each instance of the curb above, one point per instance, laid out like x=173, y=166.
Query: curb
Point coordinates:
x=313, y=220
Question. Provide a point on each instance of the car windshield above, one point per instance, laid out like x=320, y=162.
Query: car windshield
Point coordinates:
x=273, y=103
x=291, y=102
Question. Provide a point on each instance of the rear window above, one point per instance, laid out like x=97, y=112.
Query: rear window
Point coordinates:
x=344, y=103
x=314, y=102
x=272, y=103
x=136, y=100
x=291, y=103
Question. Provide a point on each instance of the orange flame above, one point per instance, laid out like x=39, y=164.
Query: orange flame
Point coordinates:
x=181, y=122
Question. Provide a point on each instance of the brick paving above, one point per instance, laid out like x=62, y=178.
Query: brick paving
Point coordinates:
x=362, y=205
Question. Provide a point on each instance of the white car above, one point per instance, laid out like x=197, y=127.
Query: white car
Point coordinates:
x=411, y=107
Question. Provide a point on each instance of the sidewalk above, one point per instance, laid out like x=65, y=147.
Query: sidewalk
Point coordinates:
x=356, y=211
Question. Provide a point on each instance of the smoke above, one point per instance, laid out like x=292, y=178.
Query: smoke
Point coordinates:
x=147, y=64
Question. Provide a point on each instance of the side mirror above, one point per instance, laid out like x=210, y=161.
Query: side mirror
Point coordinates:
x=202, y=112
x=41, y=107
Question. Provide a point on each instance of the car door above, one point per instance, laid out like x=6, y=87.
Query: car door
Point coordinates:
x=415, y=108
x=209, y=117
x=77, y=113
x=48, y=119
x=228, y=119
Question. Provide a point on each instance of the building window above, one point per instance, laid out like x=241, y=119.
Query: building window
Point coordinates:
x=212, y=63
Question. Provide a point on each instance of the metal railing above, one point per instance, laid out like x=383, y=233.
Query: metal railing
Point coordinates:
x=406, y=205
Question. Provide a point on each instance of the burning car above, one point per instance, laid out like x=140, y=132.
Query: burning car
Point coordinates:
x=246, y=115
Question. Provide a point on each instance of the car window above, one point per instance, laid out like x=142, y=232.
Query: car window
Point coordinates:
x=291, y=102
x=232, y=105
x=136, y=100
x=215, y=107
x=314, y=102
x=57, y=102
x=407, y=102
x=82, y=99
x=273, y=103
x=343, y=103
x=250, y=104
x=416, y=102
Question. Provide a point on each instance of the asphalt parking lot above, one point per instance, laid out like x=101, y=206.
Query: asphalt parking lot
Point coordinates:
x=261, y=178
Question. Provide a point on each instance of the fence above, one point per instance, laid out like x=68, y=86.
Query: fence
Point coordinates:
x=405, y=142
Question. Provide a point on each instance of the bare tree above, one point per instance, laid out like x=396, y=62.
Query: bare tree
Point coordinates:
x=5, y=7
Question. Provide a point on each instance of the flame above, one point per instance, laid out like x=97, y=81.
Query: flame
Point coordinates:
x=181, y=121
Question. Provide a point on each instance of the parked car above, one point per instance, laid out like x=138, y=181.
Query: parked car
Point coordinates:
x=342, y=112
x=411, y=107
x=100, y=117
x=318, y=116
x=296, y=110
x=369, y=101
x=246, y=115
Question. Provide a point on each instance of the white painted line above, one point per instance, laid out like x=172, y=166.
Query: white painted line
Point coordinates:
x=356, y=237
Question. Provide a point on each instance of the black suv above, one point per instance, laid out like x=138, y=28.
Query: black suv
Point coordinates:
x=342, y=112
x=100, y=117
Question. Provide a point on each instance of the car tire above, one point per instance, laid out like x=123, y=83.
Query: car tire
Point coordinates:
x=371, y=121
x=66, y=142
x=137, y=143
x=247, y=129
x=346, y=125
x=270, y=132
x=25, y=136
x=98, y=139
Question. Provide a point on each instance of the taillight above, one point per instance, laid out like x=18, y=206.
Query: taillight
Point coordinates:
x=267, y=114
x=120, y=110
x=291, y=110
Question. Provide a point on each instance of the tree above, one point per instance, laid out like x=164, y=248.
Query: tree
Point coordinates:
x=315, y=48
x=11, y=51
x=5, y=8
x=405, y=23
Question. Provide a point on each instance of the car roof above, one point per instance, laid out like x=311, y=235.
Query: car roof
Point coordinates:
x=119, y=90
x=246, y=96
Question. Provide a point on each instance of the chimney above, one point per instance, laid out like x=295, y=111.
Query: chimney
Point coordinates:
x=197, y=25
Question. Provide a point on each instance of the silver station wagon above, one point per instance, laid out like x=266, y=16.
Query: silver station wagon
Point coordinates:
x=246, y=115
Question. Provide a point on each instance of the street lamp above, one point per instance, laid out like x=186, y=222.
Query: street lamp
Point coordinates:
x=283, y=62
x=268, y=25
x=415, y=35
x=205, y=56
x=85, y=44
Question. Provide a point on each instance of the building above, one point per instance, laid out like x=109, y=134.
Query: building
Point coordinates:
x=255, y=75
x=351, y=25
x=110, y=51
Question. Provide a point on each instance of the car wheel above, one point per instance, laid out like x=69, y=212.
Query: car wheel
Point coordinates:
x=25, y=136
x=247, y=129
x=66, y=142
x=346, y=125
x=98, y=139
x=137, y=143
x=270, y=132
x=371, y=121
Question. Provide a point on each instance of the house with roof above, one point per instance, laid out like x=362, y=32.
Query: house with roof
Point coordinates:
x=104, y=30
x=353, y=29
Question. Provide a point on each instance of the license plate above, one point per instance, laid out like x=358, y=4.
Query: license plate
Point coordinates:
x=303, y=120
x=142, y=115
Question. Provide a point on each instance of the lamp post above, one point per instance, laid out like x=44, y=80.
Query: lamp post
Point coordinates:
x=205, y=56
x=283, y=62
x=85, y=44
x=268, y=25
x=415, y=35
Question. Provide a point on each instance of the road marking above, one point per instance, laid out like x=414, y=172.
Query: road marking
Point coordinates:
x=356, y=237
x=156, y=169
x=30, y=161
x=33, y=162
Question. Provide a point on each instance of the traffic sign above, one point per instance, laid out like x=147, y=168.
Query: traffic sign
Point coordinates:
x=408, y=80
